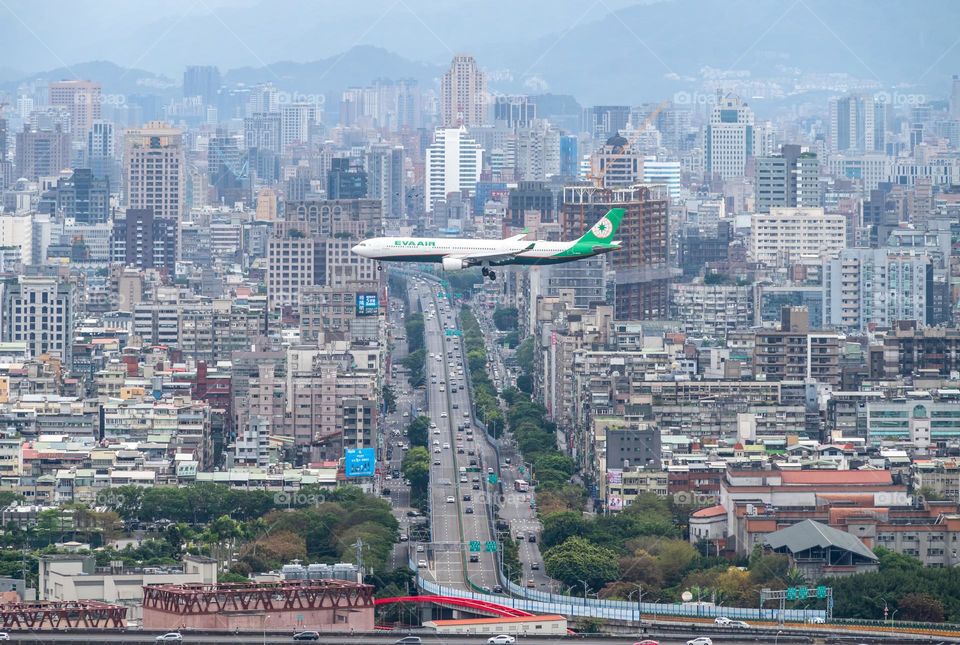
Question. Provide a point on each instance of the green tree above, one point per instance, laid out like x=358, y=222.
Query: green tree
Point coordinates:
x=577, y=559
x=418, y=431
x=416, y=469
x=921, y=607
x=506, y=318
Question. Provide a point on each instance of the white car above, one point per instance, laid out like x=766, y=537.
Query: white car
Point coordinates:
x=446, y=446
x=443, y=415
x=422, y=564
x=722, y=620
x=700, y=640
x=4, y=636
x=170, y=637
x=437, y=451
x=502, y=639
x=450, y=499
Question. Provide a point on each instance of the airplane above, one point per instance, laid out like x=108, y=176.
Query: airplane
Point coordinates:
x=455, y=254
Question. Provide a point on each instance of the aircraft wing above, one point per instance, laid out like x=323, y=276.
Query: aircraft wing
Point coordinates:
x=493, y=256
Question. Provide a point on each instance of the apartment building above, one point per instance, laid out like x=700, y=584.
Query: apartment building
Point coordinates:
x=785, y=236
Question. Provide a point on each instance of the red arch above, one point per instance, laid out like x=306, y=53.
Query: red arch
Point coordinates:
x=467, y=603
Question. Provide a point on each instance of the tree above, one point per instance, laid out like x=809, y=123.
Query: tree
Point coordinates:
x=389, y=398
x=921, y=607
x=506, y=318
x=559, y=527
x=577, y=559
x=418, y=431
x=416, y=469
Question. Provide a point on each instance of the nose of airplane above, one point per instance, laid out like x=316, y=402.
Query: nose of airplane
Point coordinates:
x=356, y=249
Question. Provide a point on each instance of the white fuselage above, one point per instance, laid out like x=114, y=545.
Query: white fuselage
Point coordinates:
x=410, y=249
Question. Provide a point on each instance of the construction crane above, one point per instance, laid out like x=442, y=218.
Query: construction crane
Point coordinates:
x=597, y=178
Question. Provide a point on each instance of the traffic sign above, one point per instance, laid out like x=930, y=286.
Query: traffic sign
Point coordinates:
x=791, y=593
x=491, y=546
x=802, y=593
x=492, y=478
x=821, y=592
x=475, y=546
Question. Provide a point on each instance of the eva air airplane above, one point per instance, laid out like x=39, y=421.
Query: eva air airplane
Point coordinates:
x=455, y=254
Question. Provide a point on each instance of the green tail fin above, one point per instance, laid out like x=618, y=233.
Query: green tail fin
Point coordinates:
x=603, y=231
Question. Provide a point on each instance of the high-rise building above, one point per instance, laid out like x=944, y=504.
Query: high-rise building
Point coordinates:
x=569, y=156
x=386, y=178
x=728, y=139
x=604, y=121
x=202, y=81
x=142, y=240
x=641, y=264
x=858, y=124
x=3, y=139
x=347, y=179
x=39, y=311
x=296, y=120
x=514, y=111
x=83, y=197
x=864, y=287
x=616, y=164
x=42, y=153
x=665, y=173
x=531, y=197
x=262, y=130
x=82, y=99
x=463, y=94
x=955, y=97
x=794, y=353
x=791, y=178
x=785, y=235
x=537, y=152
x=155, y=170
x=227, y=169
x=453, y=164
x=102, y=151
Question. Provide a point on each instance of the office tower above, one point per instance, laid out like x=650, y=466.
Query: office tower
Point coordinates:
x=155, y=170
x=955, y=97
x=864, y=287
x=791, y=178
x=38, y=311
x=16, y=231
x=537, y=151
x=42, y=153
x=858, y=123
x=514, y=111
x=641, y=265
x=202, y=81
x=785, y=235
x=346, y=179
x=227, y=169
x=531, y=198
x=262, y=131
x=453, y=164
x=729, y=138
x=604, y=121
x=569, y=156
x=463, y=94
x=386, y=178
x=3, y=138
x=616, y=163
x=296, y=120
x=83, y=197
x=82, y=99
x=673, y=123
x=142, y=240
x=666, y=173
x=101, y=151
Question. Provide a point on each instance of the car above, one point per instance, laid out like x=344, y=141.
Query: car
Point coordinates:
x=446, y=446
x=443, y=415
x=4, y=636
x=502, y=639
x=404, y=537
x=437, y=451
x=436, y=430
x=647, y=642
x=722, y=620
x=412, y=513
x=739, y=623
x=306, y=636
x=408, y=640
x=436, y=462
x=422, y=564
x=476, y=487
x=700, y=640
x=497, y=589
x=420, y=548
x=474, y=557
x=169, y=637
x=450, y=499
x=531, y=584
x=467, y=497
x=535, y=566
x=386, y=492
x=469, y=510
x=532, y=538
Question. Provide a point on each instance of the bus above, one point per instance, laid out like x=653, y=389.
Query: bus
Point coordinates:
x=521, y=486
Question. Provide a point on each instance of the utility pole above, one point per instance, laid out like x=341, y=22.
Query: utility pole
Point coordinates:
x=358, y=545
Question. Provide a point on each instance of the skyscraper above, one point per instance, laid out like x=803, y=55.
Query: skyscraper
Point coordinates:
x=346, y=180
x=453, y=164
x=616, y=164
x=729, y=138
x=387, y=178
x=101, y=151
x=227, y=168
x=569, y=155
x=604, y=121
x=955, y=97
x=262, y=130
x=791, y=178
x=82, y=99
x=858, y=123
x=39, y=312
x=154, y=169
x=144, y=241
x=202, y=81
x=83, y=197
x=42, y=153
x=295, y=122
x=463, y=94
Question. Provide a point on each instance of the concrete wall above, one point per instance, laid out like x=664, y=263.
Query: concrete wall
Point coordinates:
x=321, y=620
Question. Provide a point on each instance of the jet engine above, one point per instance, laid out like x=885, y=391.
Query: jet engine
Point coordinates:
x=453, y=264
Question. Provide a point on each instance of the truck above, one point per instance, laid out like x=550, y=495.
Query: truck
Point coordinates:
x=521, y=485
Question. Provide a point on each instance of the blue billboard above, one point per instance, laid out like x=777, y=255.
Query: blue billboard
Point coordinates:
x=368, y=304
x=360, y=462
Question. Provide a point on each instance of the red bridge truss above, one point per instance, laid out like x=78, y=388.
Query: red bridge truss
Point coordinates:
x=288, y=595
x=479, y=606
x=50, y=615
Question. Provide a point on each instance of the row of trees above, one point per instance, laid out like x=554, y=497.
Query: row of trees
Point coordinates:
x=485, y=398
x=416, y=469
x=418, y=431
x=416, y=359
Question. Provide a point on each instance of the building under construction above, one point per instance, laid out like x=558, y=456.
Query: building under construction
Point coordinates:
x=320, y=605
x=642, y=263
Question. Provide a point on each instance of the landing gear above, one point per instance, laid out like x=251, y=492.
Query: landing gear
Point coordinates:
x=379, y=266
x=485, y=271
x=493, y=275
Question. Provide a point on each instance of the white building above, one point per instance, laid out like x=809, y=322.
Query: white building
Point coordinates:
x=785, y=235
x=155, y=169
x=295, y=122
x=453, y=164
x=663, y=172
x=728, y=140
x=878, y=286
x=463, y=94
x=17, y=230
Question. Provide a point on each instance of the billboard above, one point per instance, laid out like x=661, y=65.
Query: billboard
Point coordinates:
x=368, y=304
x=360, y=462
x=615, y=476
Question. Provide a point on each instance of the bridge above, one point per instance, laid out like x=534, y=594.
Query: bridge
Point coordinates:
x=482, y=607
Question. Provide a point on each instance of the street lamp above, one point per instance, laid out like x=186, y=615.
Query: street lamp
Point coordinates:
x=639, y=591
x=265, y=617
x=585, y=591
x=776, y=639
